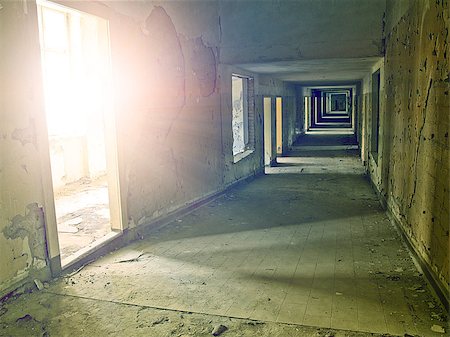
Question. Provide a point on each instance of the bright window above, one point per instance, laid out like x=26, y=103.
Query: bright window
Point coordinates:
x=243, y=113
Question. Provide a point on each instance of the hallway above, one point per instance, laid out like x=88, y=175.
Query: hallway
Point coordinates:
x=279, y=167
x=313, y=250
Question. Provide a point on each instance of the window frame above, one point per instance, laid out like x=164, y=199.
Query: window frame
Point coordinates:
x=248, y=118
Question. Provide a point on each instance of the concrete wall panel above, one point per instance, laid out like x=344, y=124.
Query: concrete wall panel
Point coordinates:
x=22, y=243
x=416, y=128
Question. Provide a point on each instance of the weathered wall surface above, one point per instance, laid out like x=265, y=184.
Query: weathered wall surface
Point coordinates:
x=22, y=243
x=300, y=106
x=363, y=119
x=259, y=31
x=171, y=102
x=376, y=163
x=252, y=162
x=270, y=87
x=416, y=129
x=169, y=120
x=172, y=85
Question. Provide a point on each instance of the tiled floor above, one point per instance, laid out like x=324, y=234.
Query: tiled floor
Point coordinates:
x=310, y=249
x=309, y=245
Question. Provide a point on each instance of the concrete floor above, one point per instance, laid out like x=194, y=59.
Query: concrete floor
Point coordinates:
x=327, y=139
x=301, y=253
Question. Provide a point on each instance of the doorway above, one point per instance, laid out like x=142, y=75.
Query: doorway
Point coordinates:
x=81, y=132
x=267, y=131
x=279, y=123
x=374, y=141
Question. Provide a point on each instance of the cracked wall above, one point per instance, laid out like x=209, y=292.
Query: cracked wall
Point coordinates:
x=22, y=243
x=415, y=180
x=264, y=86
x=170, y=127
x=172, y=107
x=172, y=101
x=175, y=137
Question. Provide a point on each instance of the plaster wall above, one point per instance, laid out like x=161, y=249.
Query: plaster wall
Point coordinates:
x=275, y=88
x=375, y=166
x=397, y=9
x=171, y=104
x=164, y=61
x=168, y=117
x=22, y=243
x=300, y=105
x=303, y=92
x=263, y=87
x=366, y=111
x=250, y=163
x=415, y=130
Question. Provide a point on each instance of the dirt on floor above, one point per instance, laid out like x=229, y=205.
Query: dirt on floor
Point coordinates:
x=82, y=210
x=44, y=314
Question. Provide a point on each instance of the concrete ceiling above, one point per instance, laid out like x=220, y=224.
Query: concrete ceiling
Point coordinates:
x=317, y=70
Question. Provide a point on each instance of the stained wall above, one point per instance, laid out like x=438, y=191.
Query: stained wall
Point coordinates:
x=413, y=175
x=22, y=232
x=171, y=105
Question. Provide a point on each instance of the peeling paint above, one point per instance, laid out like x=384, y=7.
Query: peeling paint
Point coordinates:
x=166, y=73
x=417, y=148
x=28, y=227
x=165, y=59
x=203, y=63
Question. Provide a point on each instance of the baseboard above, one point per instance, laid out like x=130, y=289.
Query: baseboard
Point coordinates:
x=140, y=232
x=435, y=284
x=123, y=239
x=296, y=137
x=11, y=289
x=25, y=283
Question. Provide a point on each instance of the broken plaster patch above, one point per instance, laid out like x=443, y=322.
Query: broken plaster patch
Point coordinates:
x=167, y=67
x=39, y=263
x=28, y=227
x=165, y=57
x=26, y=251
x=203, y=63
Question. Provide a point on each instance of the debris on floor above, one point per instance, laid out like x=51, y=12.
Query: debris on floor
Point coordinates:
x=208, y=274
x=437, y=328
x=418, y=288
x=131, y=259
x=160, y=320
x=438, y=316
x=31, y=315
x=325, y=333
x=26, y=318
x=39, y=284
x=219, y=329
x=70, y=226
